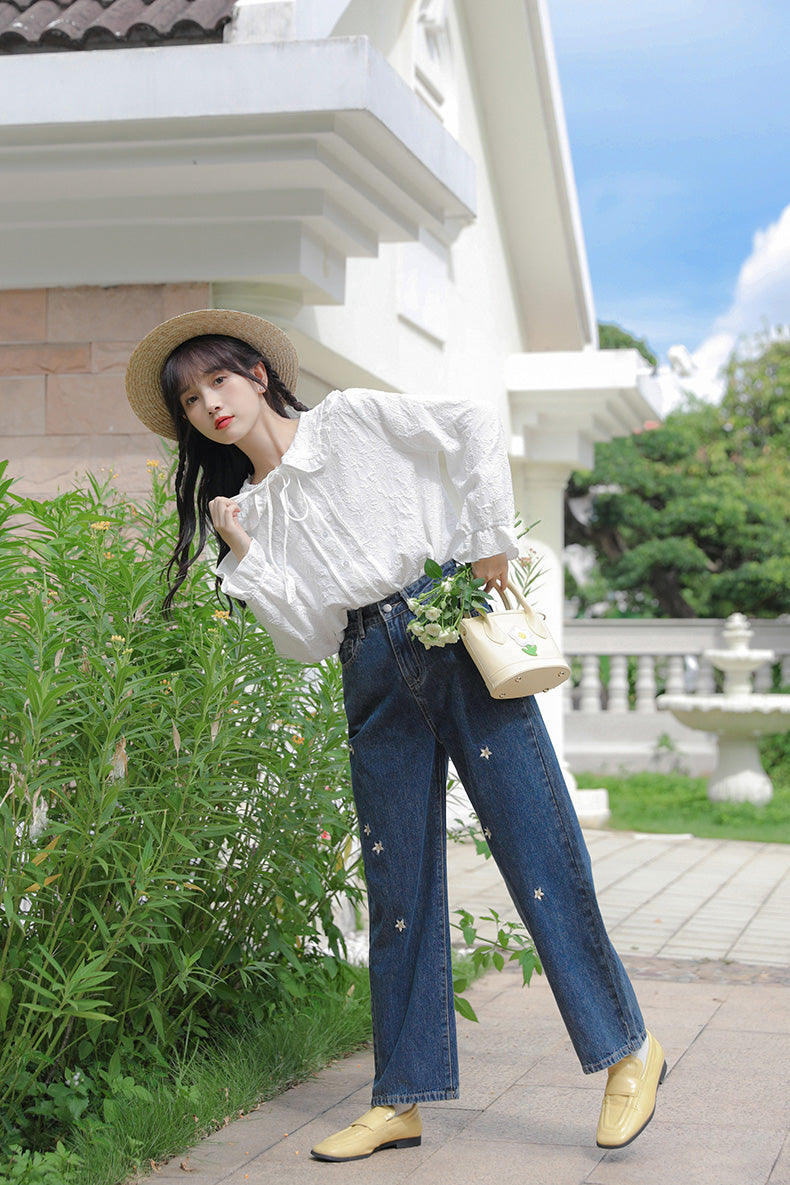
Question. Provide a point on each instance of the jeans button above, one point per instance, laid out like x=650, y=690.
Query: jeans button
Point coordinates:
x=387, y=608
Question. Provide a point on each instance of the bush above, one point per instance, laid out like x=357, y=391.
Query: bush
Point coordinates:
x=174, y=807
x=775, y=754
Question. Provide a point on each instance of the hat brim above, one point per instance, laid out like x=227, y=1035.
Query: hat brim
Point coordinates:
x=144, y=372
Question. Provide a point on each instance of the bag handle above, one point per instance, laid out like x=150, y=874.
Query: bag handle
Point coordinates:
x=535, y=620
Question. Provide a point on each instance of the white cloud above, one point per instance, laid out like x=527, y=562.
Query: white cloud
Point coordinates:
x=761, y=302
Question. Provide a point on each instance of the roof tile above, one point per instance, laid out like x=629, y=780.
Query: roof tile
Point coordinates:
x=31, y=25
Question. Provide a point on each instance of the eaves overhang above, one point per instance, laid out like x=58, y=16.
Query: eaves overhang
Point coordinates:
x=527, y=148
x=271, y=162
x=563, y=402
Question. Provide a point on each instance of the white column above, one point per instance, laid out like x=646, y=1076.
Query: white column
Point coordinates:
x=675, y=675
x=540, y=494
x=618, y=683
x=646, y=684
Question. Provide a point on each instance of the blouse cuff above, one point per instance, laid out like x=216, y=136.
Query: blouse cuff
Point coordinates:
x=242, y=578
x=490, y=541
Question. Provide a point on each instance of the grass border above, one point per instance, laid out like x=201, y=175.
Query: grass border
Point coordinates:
x=247, y=1064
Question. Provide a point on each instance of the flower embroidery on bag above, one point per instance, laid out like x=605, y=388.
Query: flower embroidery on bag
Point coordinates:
x=522, y=637
x=378, y=847
x=485, y=752
x=539, y=894
x=400, y=925
x=366, y=829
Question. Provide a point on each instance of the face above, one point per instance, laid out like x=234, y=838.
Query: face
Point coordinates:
x=225, y=406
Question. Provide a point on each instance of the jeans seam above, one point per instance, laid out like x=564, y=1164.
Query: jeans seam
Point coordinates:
x=446, y=945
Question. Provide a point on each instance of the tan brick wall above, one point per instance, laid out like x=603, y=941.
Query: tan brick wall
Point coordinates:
x=63, y=353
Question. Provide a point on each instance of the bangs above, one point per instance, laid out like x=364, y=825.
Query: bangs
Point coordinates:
x=204, y=355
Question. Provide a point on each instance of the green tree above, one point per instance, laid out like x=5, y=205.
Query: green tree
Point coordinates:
x=613, y=337
x=690, y=519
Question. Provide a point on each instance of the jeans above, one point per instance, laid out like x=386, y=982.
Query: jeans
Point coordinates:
x=408, y=710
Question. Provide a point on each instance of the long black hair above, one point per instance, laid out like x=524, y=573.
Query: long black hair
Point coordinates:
x=207, y=469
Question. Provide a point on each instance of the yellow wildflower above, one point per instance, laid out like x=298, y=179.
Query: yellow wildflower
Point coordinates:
x=101, y=524
x=222, y=614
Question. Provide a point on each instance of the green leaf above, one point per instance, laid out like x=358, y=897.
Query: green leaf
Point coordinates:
x=6, y=993
x=156, y=1017
x=463, y=1006
x=433, y=570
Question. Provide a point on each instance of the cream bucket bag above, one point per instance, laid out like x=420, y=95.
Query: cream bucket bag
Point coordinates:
x=513, y=649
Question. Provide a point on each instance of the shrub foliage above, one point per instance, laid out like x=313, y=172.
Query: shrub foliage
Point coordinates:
x=174, y=805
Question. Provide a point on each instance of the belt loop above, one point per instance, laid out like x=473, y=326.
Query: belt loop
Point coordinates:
x=360, y=623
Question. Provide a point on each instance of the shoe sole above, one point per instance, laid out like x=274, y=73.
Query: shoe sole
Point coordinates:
x=615, y=1147
x=407, y=1142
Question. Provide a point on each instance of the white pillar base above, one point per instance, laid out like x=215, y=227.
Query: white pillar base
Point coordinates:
x=591, y=806
x=739, y=775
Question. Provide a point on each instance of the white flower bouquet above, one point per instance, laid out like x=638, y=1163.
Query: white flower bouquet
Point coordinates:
x=438, y=611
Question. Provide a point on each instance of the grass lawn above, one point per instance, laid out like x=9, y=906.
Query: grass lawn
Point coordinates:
x=674, y=803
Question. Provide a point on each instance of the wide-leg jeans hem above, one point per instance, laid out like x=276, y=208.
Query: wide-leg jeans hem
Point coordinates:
x=617, y=1056
x=421, y=1096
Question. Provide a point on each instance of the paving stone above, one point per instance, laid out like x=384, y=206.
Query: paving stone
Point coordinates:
x=527, y=1112
x=780, y=1174
x=548, y=1115
x=731, y=1079
x=692, y=1154
x=738, y=1010
x=501, y=1162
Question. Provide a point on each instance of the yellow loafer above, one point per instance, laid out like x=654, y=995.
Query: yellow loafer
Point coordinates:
x=376, y=1129
x=630, y=1097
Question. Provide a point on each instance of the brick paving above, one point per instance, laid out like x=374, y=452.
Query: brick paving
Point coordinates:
x=679, y=909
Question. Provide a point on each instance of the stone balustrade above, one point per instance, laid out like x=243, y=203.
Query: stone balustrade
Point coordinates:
x=620, y=665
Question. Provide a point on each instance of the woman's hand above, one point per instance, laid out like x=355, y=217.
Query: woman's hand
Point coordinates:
x=492, y=569
x=224, y=515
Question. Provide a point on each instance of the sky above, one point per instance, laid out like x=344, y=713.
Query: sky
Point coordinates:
x=678, y=116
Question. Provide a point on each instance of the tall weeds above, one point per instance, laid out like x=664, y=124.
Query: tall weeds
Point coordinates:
x=174, y=808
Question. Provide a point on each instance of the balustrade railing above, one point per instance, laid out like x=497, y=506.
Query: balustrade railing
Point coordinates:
x=620, y=665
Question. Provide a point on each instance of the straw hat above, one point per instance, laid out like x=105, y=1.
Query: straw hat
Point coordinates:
x=144, y=372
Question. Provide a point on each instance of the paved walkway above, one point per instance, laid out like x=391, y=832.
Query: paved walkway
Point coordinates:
x=704, y=928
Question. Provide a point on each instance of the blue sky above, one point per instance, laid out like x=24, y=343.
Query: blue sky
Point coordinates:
x=678, y=115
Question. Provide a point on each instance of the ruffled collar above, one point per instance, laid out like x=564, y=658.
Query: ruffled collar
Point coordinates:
x=307, y=451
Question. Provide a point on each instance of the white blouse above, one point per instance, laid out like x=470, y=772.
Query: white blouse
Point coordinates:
x=359, y=502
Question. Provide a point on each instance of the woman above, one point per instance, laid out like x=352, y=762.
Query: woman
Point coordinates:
x=324, y=523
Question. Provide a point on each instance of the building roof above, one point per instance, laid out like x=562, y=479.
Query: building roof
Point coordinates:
x=29, y=26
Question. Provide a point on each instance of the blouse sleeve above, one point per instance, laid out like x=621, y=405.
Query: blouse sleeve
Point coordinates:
x=472, y=441
x=282, y=618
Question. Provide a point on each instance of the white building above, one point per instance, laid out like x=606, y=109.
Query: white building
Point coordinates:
x=388, y=180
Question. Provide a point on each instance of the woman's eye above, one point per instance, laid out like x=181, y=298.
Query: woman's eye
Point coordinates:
x=189, y=400
x=219, y=380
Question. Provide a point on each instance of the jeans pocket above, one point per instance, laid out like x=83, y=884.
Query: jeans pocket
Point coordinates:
x=349, y=648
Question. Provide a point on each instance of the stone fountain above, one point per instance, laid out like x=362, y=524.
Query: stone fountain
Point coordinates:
x=738, y=717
